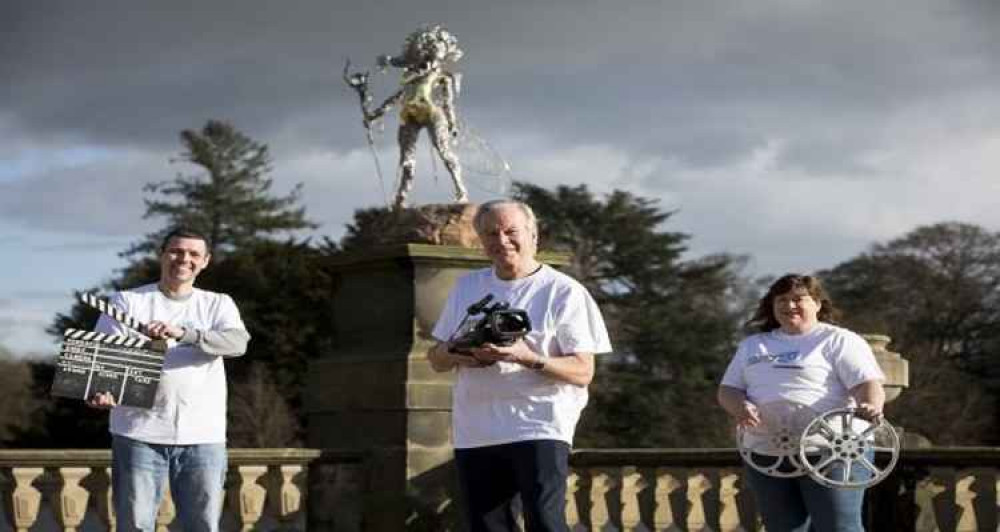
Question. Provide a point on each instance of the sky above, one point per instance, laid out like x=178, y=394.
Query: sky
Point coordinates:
x=795, y=132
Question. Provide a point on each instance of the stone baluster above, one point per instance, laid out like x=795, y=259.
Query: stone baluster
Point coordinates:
x=730, y=516
x=996, y=499
x=976, y=496
x=932, y=492
x=22, y=502
x=964, y=499
x=287, y=489
x=247, y=496
x=71, y=498
x=632, y=485
x=602, y=481
x=698, y=484
x=167, y=512
x=572, y=509
x=667, y=484
x=98, y=484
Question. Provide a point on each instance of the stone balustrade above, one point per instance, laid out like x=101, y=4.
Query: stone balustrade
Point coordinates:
x=935, y=489
x=266, y=489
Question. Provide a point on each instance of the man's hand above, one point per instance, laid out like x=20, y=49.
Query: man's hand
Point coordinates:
x=518, y=353
x=160, y=330
x=102, y=401
x=442, y=359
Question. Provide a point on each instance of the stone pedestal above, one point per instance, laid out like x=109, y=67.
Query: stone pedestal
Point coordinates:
x=895, y=367
x=376, y=391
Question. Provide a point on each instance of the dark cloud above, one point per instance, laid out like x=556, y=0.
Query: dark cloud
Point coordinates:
x=703, y=85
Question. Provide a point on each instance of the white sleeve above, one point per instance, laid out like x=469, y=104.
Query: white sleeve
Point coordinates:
x=227, y=316
x=853, y=360
x=734, y=377
x=579, y=325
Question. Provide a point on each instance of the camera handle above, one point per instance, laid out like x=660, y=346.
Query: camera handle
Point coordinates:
x=476, y=308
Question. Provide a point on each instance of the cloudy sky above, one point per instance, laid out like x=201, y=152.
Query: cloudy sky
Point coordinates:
x=798, y=132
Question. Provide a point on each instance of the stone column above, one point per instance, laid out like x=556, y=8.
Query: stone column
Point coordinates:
x=895, y=367
x=375, y=391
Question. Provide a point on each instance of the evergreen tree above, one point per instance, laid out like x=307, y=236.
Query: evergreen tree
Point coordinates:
x=231, y=201
x=673, y=321
x=273, y=282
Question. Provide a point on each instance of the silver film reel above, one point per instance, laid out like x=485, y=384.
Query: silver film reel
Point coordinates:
x=773, y=447
x=841, y=450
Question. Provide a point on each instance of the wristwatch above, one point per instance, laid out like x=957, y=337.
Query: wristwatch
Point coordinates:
x=538, y=364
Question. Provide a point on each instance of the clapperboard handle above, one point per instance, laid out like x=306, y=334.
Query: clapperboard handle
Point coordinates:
x=105, y=306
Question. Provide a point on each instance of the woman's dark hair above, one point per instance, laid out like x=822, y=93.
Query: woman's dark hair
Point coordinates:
x=763, y=319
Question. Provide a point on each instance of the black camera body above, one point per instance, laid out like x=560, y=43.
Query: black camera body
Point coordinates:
x=500, y=325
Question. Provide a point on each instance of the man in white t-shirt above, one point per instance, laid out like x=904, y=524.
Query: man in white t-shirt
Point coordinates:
x=515, y=407
x=182, y=438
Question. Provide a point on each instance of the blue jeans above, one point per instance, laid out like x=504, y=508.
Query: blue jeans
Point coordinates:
x=801, y=504
x=196, y=474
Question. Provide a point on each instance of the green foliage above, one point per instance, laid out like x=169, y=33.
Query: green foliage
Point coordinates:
x=283, y=291
x=936, y=292
x=277, y=286
x=231, y=202
x=673, y=321
x=17, y=410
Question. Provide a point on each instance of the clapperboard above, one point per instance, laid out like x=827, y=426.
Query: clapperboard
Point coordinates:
x=91, y=362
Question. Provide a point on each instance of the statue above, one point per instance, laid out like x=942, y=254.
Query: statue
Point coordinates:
x=425, y=100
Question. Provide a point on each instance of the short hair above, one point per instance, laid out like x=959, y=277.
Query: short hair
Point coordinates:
x=486, y=208
x=184, y=232
x=763, y=319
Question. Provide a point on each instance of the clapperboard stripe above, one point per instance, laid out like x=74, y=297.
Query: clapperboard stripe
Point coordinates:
x=94, y=336
x=106, y=307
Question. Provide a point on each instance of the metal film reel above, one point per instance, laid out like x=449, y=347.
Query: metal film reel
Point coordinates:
x=773, y=447
x=841, y=450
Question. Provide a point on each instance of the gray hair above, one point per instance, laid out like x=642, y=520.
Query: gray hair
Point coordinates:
x=486, y=208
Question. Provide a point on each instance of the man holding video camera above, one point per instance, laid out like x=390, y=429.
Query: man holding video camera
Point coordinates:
x=517, y=398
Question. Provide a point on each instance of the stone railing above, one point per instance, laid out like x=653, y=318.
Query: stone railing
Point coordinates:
x=936, y=489
x=69, y=490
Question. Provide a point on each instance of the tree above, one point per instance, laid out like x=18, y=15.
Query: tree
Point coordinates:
x=231, y=202
x=283, y=290
x=17, y=409
x=276, y=284
x=936, y=292
x=673, y=321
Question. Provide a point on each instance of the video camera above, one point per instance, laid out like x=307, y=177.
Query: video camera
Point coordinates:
x=500, y=325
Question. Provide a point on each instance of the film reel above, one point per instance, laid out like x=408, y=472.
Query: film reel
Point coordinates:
x=841, y=450
x=773, y=447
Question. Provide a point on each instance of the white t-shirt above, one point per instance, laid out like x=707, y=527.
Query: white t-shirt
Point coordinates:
x=190, y=404
x=816, y=369
x=507, y=402
x=794, y=378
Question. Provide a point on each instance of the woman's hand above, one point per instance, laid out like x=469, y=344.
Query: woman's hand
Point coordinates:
x=734, y=401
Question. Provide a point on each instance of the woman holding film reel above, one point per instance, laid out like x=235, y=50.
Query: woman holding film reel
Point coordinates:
x=807, y=399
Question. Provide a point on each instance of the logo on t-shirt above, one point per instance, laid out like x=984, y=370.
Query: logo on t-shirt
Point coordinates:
x=788, y=359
